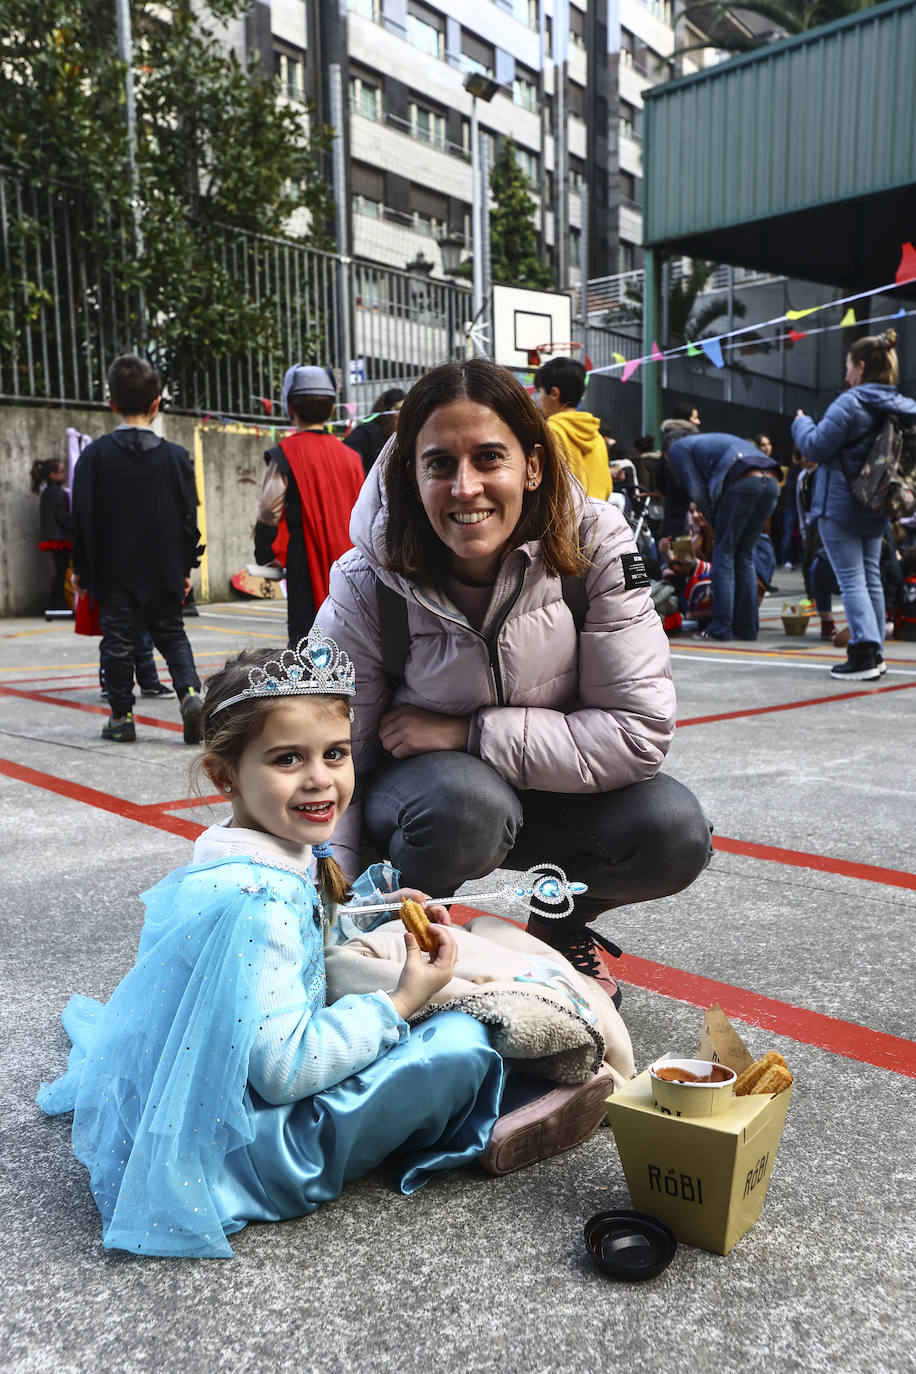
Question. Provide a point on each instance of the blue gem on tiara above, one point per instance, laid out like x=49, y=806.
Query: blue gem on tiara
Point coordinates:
x=315, y=667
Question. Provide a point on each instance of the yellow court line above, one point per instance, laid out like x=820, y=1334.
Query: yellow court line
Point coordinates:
x=24, y=634
x=245, y=634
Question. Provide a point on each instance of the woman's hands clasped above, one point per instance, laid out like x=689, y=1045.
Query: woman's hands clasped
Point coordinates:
x=409, y=730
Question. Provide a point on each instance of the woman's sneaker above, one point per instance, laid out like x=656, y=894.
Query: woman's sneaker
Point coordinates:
x=158, y=689
x=581, y=948
x=121, y=729
x=192, y=710
x=546, y=1125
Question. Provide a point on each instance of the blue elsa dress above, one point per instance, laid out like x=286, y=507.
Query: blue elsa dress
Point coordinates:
x=215, y=1087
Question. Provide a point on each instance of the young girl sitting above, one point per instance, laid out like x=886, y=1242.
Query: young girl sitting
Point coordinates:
x=216, y=1087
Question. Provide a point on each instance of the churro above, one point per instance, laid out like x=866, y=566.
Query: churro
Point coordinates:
x=417, y=922
x=775, y=1080
x=746, y=1081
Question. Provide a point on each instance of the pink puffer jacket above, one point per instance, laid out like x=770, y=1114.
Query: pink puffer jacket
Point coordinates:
x=551, y=711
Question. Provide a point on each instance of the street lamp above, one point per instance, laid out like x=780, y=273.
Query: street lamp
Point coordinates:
x=451, y=249
x=477, y=85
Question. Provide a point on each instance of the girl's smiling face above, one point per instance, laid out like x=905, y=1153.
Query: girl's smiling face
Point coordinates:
x=472, y=474
x=295, y=779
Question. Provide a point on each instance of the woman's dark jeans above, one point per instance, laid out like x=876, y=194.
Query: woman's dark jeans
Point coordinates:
x=445, y=818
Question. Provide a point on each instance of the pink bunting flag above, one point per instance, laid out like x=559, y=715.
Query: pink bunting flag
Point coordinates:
x=349, y=407
x=657, y=355
x=907, y=269
x=630, y=368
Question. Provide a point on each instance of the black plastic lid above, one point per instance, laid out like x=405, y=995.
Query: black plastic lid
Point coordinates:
x=629, y=1245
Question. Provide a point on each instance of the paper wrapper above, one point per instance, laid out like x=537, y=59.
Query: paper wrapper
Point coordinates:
x=720, y=1043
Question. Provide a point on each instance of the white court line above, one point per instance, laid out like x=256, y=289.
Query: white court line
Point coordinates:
x=759, y=661
x=226, y=615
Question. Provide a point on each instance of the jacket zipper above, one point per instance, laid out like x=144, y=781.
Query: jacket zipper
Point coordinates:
x=490, y=644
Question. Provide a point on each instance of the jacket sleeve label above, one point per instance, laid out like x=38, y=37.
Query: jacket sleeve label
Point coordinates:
x=634, y=571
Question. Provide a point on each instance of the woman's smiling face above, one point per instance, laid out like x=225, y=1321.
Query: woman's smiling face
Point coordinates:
x=472, y=474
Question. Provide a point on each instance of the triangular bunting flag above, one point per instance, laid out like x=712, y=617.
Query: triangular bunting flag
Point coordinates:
x=794, y=335
x=693, y=351
x=656, y=353
x=848, y=319
x=800, y=314
x=618, y=357
x=349, y=407
x=907, y=269
x=900, y=312
x=713, y=350
x=629, y=369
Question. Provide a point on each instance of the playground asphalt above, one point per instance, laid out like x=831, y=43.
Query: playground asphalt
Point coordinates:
x=802, y=928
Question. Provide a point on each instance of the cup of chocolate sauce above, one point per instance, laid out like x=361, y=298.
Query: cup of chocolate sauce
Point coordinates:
x=691, y=1087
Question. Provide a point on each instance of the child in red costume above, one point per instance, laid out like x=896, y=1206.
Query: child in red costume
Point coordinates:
x=312, y=481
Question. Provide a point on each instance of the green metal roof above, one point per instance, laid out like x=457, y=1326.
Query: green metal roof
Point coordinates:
x=797, y=159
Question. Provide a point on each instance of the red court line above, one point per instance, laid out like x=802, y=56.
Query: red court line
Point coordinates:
x=795, y=705
x=186, y=803
x=85, y=706
x=826, y=1032
x=845, y=1038
x=90, y=796
x=870, y=873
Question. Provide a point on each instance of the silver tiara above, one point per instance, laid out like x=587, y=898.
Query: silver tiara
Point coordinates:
x=316, y=667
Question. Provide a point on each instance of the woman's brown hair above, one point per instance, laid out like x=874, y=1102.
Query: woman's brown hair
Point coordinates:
x=226, y=733
x=879, y=355
x=548, y=513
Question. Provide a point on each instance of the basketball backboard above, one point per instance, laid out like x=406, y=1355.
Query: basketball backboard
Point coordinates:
x=524, y=320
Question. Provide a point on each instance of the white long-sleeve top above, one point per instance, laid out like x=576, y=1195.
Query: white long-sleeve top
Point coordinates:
x=301, y=1046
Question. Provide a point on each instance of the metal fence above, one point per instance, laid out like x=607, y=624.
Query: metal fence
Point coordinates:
x=72, y=298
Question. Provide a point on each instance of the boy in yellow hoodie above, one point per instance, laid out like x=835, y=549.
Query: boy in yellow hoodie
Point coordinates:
x=559, y=385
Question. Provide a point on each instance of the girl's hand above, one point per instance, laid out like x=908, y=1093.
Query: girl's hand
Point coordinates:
x=799, y=414
x=438, y=914
x=419, y=981
x=409, y=730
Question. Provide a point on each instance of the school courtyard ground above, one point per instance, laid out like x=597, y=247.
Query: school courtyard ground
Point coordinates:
x=802, y=929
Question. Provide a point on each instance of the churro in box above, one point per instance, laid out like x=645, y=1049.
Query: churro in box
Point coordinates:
x=705, y=1175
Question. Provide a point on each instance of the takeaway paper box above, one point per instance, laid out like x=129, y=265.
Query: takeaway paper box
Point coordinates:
x=705, y=1177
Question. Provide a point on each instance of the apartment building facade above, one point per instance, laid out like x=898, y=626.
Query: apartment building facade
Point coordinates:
x=570, y=76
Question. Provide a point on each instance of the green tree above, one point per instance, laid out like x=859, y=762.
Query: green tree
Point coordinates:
x=514, y=256
x=215, y=152
x=782, y=18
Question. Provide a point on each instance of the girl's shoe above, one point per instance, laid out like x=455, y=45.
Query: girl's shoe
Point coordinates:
x=828, y=627
x=558, y=1120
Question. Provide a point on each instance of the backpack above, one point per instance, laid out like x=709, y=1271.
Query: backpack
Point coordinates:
x=905, y=619
x=886, y=482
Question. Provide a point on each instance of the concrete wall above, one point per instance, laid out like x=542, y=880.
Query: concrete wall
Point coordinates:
x=230, y=465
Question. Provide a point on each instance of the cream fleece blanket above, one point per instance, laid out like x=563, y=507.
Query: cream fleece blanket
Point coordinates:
x=546, y=1019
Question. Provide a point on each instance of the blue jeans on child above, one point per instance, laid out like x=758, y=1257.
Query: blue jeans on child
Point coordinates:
x=744, y=508
x=446, y=818
x=856, y=560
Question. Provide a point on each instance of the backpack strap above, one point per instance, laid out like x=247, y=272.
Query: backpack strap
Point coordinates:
x=273, y=455
x=394, y=630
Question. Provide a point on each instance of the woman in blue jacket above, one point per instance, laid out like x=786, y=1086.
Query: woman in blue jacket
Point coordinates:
x=851, y=534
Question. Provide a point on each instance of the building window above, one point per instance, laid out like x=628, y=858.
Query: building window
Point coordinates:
x=369, y=9
x=289, y=70
x=530, y=164
x=575, y=248
x=662, y=9
x=630, y=120
x=425, y=29
x=295, y=189
x=576, y=100
x=476, y=55
x=631, y=190
x=626, y=256
x=427, y=126
x=575, y=181
x=576, y=27
x=365, y=98
x=525, y=89
x=427, y=225
x=362, y=205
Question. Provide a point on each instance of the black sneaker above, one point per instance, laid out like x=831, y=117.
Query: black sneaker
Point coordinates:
x=882, y=666
x=192, y=711
x=121, y=729
x=861, y=664
x=580, y=947
x=159, y=690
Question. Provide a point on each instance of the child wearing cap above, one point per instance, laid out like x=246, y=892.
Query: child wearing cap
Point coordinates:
x=312, y=481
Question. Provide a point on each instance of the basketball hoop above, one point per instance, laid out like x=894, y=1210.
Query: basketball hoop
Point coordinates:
x=553, y=349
